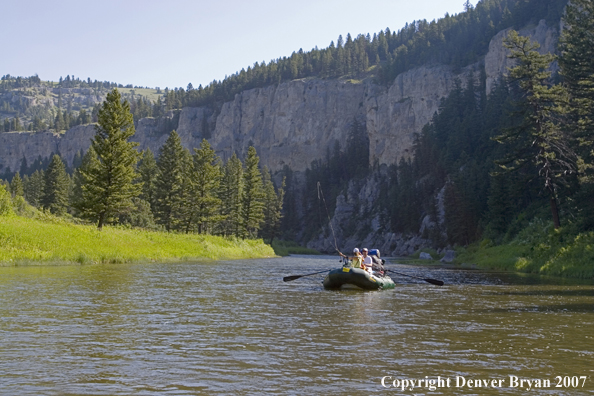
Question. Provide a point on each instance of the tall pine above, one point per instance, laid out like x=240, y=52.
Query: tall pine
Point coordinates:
x=231, y=193
x=55, y=188
x=206, y=178
x=108, y=186
x=16, y=186
x=169, y=182
x=148, y=174
x=577, y=67
x=273, y=206
x=539, y=140
x=253, y=198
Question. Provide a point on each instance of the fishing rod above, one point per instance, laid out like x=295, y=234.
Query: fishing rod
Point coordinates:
x=321, y=194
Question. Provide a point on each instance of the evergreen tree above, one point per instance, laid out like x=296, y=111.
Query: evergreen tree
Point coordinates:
x=169, y=183
x=253, y=198
x=539, y=140
x=33, y=188
x=231, y=192
x=273, y=206
x=148, y=174
x=16, y=186
x=577, y=66
x=206, y=178
x=77, y=197
x=5, y=201
x=55, y=188
x=185, y=218
x=499, y=205
x=108, y=185
x=59, y=122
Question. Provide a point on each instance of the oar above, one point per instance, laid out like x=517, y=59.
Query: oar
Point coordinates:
x=293, y=277
x=429, y=280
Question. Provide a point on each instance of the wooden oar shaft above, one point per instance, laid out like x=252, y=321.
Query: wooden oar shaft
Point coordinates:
x=293, y=277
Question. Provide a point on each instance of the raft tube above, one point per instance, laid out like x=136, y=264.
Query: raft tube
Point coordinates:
x=356, y=278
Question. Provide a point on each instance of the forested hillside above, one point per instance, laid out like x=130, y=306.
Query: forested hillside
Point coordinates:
x=489, y=164
x=456, y=40
x=30, y=104
x=489, y=167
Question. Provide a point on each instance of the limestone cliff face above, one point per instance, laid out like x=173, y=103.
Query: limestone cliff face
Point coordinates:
x=15, y=146
x=295, y=123
x=289, y=124
x=496, y=61
x=394, y=117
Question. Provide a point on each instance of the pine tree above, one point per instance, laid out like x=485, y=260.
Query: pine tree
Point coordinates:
x=33, y=187
x=77, y=198
x=577, y=67
x=148, y=174
x=253, y=198
x=273, y=206
x=59, y=122
x=169, y=182
x=16, y=186
x=539, y=140
x=231, y=194
x=55, y=188
x=184, y=216
x=206, y=178
x=5, y=201
x=108, y=185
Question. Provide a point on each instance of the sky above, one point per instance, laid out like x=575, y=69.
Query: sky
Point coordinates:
x=175, y=42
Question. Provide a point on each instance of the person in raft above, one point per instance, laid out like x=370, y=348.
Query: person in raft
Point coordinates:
x=367, y=261
x=356, y=259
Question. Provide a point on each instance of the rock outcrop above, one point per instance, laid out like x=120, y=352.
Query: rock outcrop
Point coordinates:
x=297, y=122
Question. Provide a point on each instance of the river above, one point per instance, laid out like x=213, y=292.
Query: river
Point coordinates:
x=235, y=328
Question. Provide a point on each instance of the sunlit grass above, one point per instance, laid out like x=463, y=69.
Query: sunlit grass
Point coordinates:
x=149, y=93
x=25, y=241
x=538, y=249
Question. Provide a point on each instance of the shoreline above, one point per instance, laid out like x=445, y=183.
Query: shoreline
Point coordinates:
x=33, y=242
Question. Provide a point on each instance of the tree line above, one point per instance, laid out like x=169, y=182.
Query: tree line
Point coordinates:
x=455, y=40
x=176, y=191
x=524, y=151
x=486, y=165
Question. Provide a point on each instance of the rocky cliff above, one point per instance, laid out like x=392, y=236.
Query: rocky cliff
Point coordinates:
x=295, y=123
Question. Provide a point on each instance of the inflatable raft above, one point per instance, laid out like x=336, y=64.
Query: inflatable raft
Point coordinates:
x=356, y=278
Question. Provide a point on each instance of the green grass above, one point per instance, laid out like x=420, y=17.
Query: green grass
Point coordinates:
x=26, y=241
x=539, y=249
x=284, y=248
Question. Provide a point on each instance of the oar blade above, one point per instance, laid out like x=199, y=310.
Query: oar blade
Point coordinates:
x=434, y=282
x=291, y=278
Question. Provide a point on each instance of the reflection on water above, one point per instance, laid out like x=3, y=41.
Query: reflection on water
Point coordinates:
x=235, y=328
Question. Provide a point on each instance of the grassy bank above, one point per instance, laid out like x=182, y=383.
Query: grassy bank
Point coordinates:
x=538, y=249
x=25, y=241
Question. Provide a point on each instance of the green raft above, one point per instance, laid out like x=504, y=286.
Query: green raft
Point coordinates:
x=356, y=278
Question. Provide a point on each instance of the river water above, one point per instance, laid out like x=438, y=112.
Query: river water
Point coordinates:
x=235, y=328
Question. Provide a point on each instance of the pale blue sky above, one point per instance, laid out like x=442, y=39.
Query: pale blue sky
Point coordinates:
x=171, y=43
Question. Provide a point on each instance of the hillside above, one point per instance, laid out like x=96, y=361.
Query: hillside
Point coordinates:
x=30, y=104
x=402, y=143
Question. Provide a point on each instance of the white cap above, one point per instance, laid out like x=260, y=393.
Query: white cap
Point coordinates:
x=355, y=250
x=365, y=250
